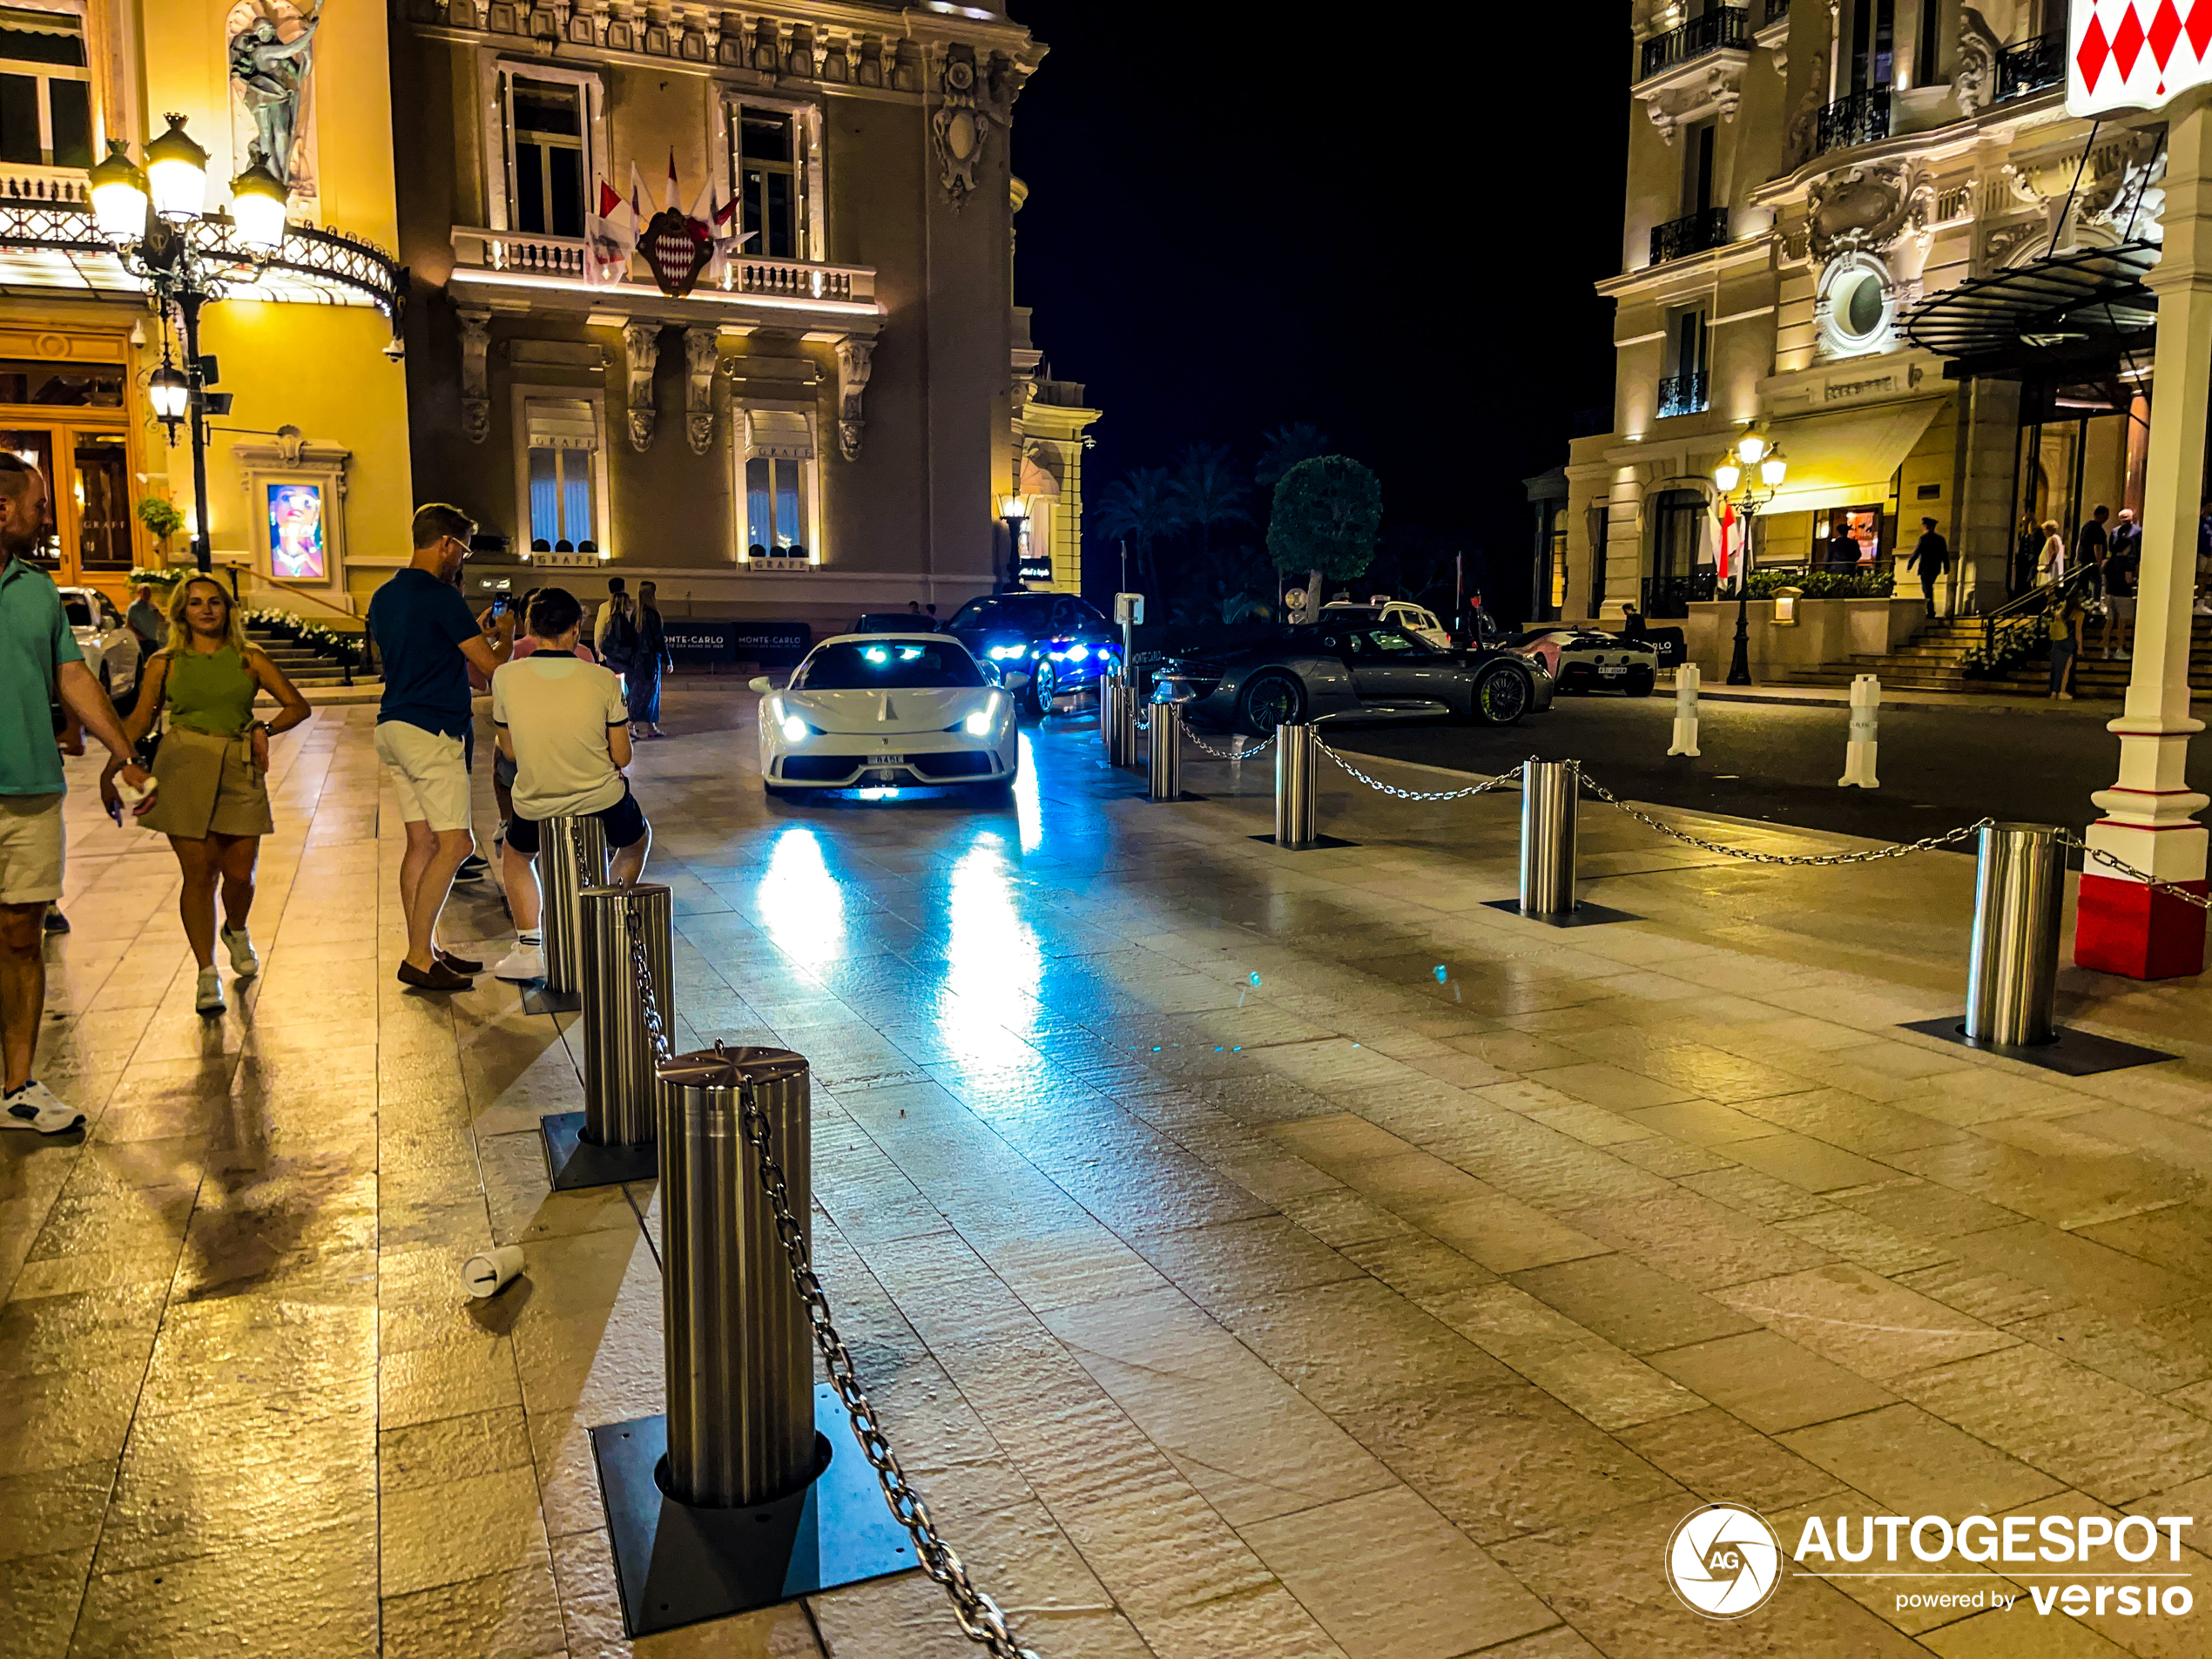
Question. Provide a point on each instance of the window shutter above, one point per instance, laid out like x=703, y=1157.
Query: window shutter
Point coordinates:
x=782, y=435
x=562, y=423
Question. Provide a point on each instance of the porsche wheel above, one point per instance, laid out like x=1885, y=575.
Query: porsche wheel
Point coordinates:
x=1268, y=700
x=1043, y=688
x=1501, y=697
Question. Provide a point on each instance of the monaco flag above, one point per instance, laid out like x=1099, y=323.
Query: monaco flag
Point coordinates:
x=2134, y=54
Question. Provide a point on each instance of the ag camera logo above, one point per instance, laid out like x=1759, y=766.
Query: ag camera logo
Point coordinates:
x=1723, y=1561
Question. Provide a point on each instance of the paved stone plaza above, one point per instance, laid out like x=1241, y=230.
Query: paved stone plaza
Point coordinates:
x=1255, y=1254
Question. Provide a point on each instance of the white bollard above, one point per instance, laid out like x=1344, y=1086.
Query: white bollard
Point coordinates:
x=490, y=1272
x=1684, y=741
x=1859, y=752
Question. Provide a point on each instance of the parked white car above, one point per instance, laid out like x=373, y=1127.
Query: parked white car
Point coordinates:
x=110, y=649
x=889, y=711
x=1417, y=620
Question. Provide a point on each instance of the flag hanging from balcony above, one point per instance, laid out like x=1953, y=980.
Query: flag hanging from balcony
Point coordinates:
x=678, y=248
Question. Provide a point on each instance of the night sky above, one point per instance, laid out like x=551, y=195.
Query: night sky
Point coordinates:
x=1237, y=220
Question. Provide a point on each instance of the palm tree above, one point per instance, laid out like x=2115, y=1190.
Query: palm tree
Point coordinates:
x=1134, y=510
x=1206, y=493
x=1284, y=448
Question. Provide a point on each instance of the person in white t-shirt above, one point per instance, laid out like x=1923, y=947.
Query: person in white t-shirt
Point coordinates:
x=563, y=722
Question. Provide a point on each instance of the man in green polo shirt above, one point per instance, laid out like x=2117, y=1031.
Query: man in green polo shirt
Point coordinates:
x=39, y=664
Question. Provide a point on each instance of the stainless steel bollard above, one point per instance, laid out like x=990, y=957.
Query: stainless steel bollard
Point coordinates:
x=1165, y=752
x=571, y=856
x=1117, y=721
x=1297, y=797
x=1550, y=794
x=617, y=1054
x=2013, y=971
x=740, y=1366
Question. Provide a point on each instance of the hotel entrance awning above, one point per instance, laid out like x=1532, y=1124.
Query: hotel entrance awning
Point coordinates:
x=1846, y=460
x=2087, y=303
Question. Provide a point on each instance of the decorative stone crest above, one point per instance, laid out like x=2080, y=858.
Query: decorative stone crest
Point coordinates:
x=853, y=367
x=959, y=127
x=475, y=380
x=641, y=352
x=1866, y=208
x=701, y=354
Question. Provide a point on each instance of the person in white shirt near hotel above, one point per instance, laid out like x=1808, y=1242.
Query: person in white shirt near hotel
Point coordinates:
x=563, y=722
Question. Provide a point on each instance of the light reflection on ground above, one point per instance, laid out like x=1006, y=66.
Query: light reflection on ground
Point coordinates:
x=801, y=904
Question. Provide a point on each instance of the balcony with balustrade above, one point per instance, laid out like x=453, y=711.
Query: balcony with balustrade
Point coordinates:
x=1696, y=233
x=1721, y=29
x=561, y=266
x=1861, y=118
x=2031, y=66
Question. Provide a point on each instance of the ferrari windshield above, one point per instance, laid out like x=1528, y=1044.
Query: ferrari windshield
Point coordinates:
x=893, y=665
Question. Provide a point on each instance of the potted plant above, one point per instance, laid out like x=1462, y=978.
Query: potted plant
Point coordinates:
x=163, y=518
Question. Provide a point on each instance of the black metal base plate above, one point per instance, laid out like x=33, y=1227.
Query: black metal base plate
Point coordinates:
x=574, y=1162
x=1318, y=841
x=538, y=999
x=2076, y=1053
x=675, y=1564
x=1584, y=915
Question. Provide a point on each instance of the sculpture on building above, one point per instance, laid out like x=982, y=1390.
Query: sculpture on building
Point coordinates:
x=641, y=354
x=853, y=366
x=1975, y=85
x=959, y=126
x=272, y=54
x=1804, y=121
x=2125, y=198
x=1866, y=208
x=702, y=352
x=476, y=380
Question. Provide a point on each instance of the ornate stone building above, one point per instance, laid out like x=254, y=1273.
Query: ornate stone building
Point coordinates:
x=1870, y=229
x=724, y=299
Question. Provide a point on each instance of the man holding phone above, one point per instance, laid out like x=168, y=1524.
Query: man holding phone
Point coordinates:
x=39, y=665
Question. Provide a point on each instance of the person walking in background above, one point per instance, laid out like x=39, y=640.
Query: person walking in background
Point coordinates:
x=2050, y=568
x=212, y=766
x=647, y=658
x=615, y=634
x=146, y=622
x=618, y=600
x=567, y=727
x=428, y=641
x=2090, y=545
x=2026, y=547
x=1633, y=626
x=2063, y=624
x=2123, y=570
x=40, y=666
x=1931, y=557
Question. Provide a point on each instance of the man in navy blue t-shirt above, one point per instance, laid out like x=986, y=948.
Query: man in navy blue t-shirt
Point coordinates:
x=427, y=640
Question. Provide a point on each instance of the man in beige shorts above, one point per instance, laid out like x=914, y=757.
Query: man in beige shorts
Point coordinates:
x=40, y=666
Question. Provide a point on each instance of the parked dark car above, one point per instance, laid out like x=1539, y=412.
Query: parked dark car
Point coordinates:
x=1365, y=672
x=1061, y=643
x=897, y=622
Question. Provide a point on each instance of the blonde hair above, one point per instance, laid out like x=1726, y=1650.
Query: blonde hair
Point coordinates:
x=2050, y=527
x=180, y=631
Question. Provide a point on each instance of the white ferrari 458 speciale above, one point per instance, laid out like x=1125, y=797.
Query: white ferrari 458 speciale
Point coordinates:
x=870, y=711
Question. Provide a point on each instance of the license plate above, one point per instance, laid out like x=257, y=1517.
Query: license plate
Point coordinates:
x=886, y=760
x=1610, y=670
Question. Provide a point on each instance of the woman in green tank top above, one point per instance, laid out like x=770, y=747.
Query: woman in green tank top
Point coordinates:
x=213, y=801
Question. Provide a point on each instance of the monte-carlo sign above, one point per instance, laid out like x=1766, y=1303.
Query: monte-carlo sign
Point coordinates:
x=2135, y=54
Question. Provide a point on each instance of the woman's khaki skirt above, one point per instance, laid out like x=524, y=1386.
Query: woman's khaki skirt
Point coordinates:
x=207, y=786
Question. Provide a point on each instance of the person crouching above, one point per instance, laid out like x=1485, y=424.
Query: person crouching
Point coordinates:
x=563, y=722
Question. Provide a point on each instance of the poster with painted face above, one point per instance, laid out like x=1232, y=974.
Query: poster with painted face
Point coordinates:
x=295, y=533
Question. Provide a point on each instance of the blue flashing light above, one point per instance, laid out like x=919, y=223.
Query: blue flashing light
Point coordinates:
x=1078, y=653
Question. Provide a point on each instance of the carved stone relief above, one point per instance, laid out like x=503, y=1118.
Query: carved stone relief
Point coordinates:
x=476, y=380
x=1804, y=121
x=958, y=126
x=853, y=367
x=700, y=356
x=1975, y=85
x=1866, y=208
x=641, y=353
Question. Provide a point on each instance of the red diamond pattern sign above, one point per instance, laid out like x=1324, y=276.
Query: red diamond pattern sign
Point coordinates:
x=2135, y=54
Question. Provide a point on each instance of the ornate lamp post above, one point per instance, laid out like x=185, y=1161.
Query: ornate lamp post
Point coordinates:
x=154, y=218
x=1753, y=458
x=1013, y=511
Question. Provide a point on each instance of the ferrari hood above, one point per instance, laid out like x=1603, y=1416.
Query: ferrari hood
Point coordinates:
x=857, y=712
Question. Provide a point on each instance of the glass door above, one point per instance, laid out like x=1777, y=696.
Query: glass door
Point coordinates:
x=100, y=495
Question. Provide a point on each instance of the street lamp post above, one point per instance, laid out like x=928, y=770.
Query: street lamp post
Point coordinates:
x=154, y=217
x=1757, y=467
x=1013, y=511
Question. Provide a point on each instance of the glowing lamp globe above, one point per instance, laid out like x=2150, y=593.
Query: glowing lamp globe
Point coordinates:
x=169, y=391
x=118, y=194
x=258, y=206
x=1750, y=447
x=1773, y=469
x=177, y=170
x=1728, y=475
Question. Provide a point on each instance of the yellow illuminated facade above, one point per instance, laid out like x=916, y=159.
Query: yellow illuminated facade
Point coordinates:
x=309, y=481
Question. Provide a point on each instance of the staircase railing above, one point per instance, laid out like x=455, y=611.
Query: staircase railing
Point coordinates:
x=2009, y=633
x=346, y=661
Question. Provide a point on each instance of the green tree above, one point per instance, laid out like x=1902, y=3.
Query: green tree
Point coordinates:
x=1206, y=493
x=1323, y=524
x=1283, y=448
x=1134, y=508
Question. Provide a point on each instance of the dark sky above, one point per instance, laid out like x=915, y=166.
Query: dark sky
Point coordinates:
x=1237, y=219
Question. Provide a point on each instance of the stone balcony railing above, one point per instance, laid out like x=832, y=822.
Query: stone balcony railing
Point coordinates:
x=563, y=256
x=66, y=187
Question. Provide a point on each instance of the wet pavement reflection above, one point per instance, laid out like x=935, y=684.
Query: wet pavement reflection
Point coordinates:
x=1252, y=1253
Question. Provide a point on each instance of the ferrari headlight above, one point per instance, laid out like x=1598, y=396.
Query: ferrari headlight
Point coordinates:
x=979, y=724
x=795, y=730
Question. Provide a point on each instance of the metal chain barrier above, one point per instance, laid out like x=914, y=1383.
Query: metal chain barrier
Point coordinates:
x=1503, y=780
x=2066, y=838
x=980, y=1618
x=1227, y=754
x=1896, y=850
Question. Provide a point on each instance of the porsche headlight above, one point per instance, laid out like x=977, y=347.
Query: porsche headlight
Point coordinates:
x=1008, y=653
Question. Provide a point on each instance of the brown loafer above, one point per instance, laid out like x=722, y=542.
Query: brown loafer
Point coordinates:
x=459, y=964
x=436, y=977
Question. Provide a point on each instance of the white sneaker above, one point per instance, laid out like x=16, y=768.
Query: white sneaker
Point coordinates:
x=523, y=962
x=210, y=999
x=36, y=1106
x=239, y=943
